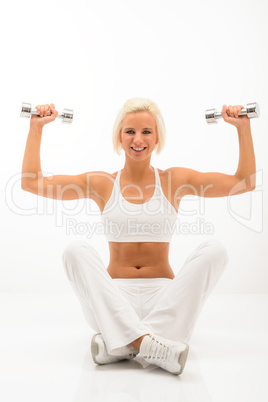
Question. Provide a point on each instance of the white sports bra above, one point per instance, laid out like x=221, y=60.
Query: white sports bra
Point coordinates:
x=152, y=221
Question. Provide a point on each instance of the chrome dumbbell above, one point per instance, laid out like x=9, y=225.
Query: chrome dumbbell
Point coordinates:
x=66, y=116
x=251, y=110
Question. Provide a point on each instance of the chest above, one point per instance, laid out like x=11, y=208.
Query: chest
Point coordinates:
x=143, y=192
x=137, y=193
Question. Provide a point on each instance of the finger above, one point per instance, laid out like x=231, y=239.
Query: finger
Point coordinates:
x=230, y=111
x=47, y=109
x=240, y=107
x=42, y=108
x=53, y=110
x=235, y=113
x=224, y=111
x=238, y=110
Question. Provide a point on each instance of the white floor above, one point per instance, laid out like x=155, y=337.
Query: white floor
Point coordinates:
x=45, y=355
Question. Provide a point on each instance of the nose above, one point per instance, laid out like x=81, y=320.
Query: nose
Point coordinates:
x=137, y=139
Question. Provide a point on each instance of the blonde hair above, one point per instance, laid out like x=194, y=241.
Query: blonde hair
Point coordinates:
x=135, y=105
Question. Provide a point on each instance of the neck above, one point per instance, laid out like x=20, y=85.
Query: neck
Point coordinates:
x=137, y=170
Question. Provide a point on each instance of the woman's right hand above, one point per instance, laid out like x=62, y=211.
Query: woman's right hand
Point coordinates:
x=43, y=110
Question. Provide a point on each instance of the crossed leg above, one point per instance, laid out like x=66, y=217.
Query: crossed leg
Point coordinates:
x=177, y=306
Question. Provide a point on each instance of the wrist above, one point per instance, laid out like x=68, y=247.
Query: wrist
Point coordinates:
x=244, y=129
x=36, y=129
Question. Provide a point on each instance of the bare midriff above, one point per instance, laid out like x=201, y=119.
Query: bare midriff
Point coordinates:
x=139, y=260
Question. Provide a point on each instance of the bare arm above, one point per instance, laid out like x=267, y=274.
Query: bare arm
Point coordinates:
x=246, y=169
x=213, y=184
x=31, y=166
x=59, y=187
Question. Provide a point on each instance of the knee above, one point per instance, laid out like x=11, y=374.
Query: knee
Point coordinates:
x=71, y=258
x=78, y=258
x=215, y=252
x=72, y=250
x=76, y=248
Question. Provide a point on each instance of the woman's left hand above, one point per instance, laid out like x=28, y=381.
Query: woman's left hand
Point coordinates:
x=230, y=115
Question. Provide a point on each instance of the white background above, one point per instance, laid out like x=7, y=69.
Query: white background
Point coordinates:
x=92, y=56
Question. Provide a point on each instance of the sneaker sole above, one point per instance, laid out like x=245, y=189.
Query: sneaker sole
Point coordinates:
x=94, y=348
x=182, y=359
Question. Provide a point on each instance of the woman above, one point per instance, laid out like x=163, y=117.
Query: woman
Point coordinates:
x=137, y=304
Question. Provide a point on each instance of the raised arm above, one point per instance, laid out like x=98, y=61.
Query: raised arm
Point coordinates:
x=213, y=184
x=59, y=187
x=31, y=166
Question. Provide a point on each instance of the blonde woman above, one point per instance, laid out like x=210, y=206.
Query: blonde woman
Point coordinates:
x=137, y=305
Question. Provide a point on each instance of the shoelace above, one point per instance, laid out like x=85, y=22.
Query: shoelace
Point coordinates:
x=157, y=350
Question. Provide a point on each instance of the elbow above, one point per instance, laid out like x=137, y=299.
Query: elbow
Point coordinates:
x=24, y=185
x=244, y=184
x=24, y=181
x=252, y=188
x=251, y=182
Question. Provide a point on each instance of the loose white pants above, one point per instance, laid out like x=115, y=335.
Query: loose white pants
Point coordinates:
x=122, y=310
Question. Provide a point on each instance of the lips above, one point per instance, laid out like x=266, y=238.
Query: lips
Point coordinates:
x=138, y=150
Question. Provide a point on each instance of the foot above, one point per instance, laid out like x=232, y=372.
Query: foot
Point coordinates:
x=167, y=354
x=100, y=354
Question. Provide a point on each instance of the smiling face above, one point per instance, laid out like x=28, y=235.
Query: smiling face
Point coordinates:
x=138, y=135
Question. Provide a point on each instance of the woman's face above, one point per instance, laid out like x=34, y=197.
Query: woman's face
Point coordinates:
x=138, y=131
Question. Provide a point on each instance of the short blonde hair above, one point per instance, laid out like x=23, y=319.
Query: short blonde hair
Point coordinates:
x=135, y=105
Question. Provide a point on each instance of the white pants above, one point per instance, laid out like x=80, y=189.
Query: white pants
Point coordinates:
x=122, y=310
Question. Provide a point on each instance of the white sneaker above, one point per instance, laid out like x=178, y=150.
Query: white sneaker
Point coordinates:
x=167, y=354
x=100, y=354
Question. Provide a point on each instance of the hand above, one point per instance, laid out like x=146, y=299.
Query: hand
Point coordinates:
x=230, y=115
x=43, y=119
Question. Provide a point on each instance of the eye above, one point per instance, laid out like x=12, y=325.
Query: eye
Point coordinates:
x=131, y=131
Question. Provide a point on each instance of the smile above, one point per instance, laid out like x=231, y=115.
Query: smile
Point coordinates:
x=138, y=150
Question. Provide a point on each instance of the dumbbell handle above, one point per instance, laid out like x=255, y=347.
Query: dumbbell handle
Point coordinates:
x=27, y=111
x=251, y=110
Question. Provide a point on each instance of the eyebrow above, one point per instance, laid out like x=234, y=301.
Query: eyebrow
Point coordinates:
x=145, y=128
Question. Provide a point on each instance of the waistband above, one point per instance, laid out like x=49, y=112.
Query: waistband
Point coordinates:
x=141, y=280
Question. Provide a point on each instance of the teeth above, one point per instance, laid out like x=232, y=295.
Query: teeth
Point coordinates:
x=138, y=149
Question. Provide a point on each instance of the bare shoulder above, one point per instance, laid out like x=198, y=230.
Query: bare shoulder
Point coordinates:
x=99, y=184
x=98, y=180
x=174, y=184
x=175, y=175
